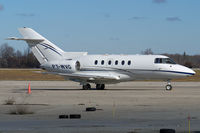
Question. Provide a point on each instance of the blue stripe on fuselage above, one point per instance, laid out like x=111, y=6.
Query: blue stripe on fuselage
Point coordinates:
x=128, y=70
x=176, y=72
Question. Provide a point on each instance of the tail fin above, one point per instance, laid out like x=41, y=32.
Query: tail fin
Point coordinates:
x=43, y=49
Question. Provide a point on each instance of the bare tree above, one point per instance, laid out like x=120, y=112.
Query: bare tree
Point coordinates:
x=148, y=51
x=7, y=55
x=11, y=59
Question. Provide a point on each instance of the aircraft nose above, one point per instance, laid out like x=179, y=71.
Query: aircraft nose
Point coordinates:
x=193, y=72
x=190, y=72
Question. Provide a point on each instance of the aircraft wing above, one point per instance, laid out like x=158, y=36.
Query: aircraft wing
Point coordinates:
x=91, y=76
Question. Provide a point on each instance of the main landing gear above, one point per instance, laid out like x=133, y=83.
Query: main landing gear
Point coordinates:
x=98, y=86
x=86, y=87
x=168, y=86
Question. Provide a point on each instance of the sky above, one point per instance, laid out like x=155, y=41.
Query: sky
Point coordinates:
x=106, y=26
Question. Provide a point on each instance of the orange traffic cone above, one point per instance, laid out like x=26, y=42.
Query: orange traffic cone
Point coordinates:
x=29, y=88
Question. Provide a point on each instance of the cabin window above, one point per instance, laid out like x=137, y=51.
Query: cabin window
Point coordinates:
x=116, y=62
x=96, y=62
x=102, y=62
x=129, y=62
x=109, y=62
x=123, y=62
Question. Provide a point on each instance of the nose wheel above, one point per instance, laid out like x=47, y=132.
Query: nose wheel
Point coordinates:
x=168, y=86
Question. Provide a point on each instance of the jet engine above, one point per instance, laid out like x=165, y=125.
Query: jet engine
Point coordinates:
x=69, y=66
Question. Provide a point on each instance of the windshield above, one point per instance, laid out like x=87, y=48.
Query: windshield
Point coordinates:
x=164, y=61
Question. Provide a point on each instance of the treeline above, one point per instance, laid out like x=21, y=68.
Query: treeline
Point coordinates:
x=10, y=58
x=191, y=61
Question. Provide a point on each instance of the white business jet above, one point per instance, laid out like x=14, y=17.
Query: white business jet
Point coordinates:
x=101, y=69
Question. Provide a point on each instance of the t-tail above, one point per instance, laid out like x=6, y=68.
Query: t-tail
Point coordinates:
x=42, y=48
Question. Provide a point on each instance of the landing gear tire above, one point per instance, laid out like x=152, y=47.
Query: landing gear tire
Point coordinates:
x=100, y=86
x=168, y=87
x=167, y=131
x=86, y=87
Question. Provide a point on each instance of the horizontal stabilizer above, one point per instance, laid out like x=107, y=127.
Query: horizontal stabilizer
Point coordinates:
x=23, y=39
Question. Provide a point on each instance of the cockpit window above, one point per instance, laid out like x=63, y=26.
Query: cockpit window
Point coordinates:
x=164, y=61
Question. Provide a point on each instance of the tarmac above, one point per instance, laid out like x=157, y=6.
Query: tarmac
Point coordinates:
x=131, y=107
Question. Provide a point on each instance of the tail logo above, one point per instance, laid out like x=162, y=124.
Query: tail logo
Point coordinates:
x=50, y=47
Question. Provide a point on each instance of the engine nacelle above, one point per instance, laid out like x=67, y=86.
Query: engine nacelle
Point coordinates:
x=68, y=66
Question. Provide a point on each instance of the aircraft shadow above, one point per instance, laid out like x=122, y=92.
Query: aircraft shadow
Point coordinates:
x=93, y=89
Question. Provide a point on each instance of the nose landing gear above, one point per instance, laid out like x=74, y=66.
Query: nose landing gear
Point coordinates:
x=168, y=86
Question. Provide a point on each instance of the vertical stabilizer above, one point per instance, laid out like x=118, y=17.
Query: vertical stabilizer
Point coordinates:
x=43, y=49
